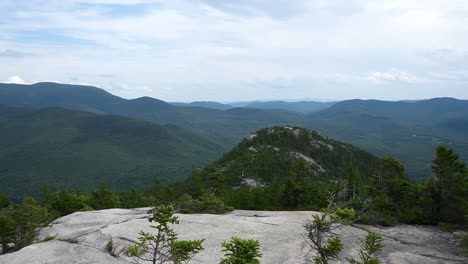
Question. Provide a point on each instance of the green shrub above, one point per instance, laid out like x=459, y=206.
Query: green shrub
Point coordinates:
x=48, y=238
x=464, y=244
x=187, y=205
x=449, y=227
x=241, y=251
x=110, y=245
x=4, y=201
x=208, y=203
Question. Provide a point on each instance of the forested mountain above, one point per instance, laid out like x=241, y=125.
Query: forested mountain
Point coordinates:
x=281, y=151
x=207, y=104
x=76, y=149
x=286, y=167
x=303, y=107
x=408, y=131
x=225, y=127
x=282, y=159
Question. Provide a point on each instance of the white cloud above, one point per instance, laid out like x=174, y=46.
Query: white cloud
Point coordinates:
x=320, y=48
x=15, y=79
x=394, y=76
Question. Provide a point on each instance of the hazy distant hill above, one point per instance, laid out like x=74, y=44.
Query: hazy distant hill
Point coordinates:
x=224, y=127
x=303, y=107
x=78, y=149
x=409, y=131
x=207, y=104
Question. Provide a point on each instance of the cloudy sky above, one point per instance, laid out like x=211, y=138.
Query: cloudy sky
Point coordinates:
x=186, y=50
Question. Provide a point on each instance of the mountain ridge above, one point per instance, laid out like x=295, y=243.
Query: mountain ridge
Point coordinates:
x=410, y=131
x=78, y=149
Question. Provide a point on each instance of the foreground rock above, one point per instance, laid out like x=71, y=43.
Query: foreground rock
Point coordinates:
x=82, y=238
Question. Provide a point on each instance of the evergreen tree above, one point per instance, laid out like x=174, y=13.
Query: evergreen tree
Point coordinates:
x=320, y=235
x=164, y=246
x=451, y=196
x=4, y=201
x=7, y=231
x=103, y=198
x=19, y=224
x=241, y=251
x=371, y=246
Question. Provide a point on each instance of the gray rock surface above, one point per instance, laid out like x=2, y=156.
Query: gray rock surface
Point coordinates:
x=82, y=237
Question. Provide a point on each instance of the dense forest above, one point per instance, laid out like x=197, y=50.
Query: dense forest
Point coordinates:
x=399, y=129
x=265, y=172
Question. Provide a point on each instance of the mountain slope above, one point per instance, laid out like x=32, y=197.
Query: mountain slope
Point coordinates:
x=206, y=104
x=283, y=152
x=280, y=168
x=224, y=127
x=304, y=107
x=274, y=152
x=80, y=149
x=409, y=131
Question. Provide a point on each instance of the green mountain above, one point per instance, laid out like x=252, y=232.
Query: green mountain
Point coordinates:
x=274, y=159
x=225, y=127
x=284, y=151
x=303, y=107
x=409, y=131
x=69, y=148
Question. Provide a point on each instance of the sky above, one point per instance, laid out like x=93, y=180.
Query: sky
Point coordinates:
x=224, y=50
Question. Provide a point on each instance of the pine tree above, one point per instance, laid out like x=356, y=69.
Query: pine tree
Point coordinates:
x=320, y=231
x=451, y=196
x=241, y=251
x=371, y=246
x=164, y=246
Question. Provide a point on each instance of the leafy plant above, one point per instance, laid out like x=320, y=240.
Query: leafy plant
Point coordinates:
x=110, y=245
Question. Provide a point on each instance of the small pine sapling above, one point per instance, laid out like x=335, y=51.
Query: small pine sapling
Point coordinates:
x=164, y=246
x=241, y=251
x=371, y=245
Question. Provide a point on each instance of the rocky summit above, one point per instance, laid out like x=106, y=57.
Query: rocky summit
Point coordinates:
x=82, y=237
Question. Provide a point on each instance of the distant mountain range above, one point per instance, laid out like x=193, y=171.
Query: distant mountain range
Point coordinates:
x=225, y=127
x=206, y=104
x=407, y=130
x=302, y=107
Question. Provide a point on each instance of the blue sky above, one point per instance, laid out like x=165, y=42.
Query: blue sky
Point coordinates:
x=186, y=50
